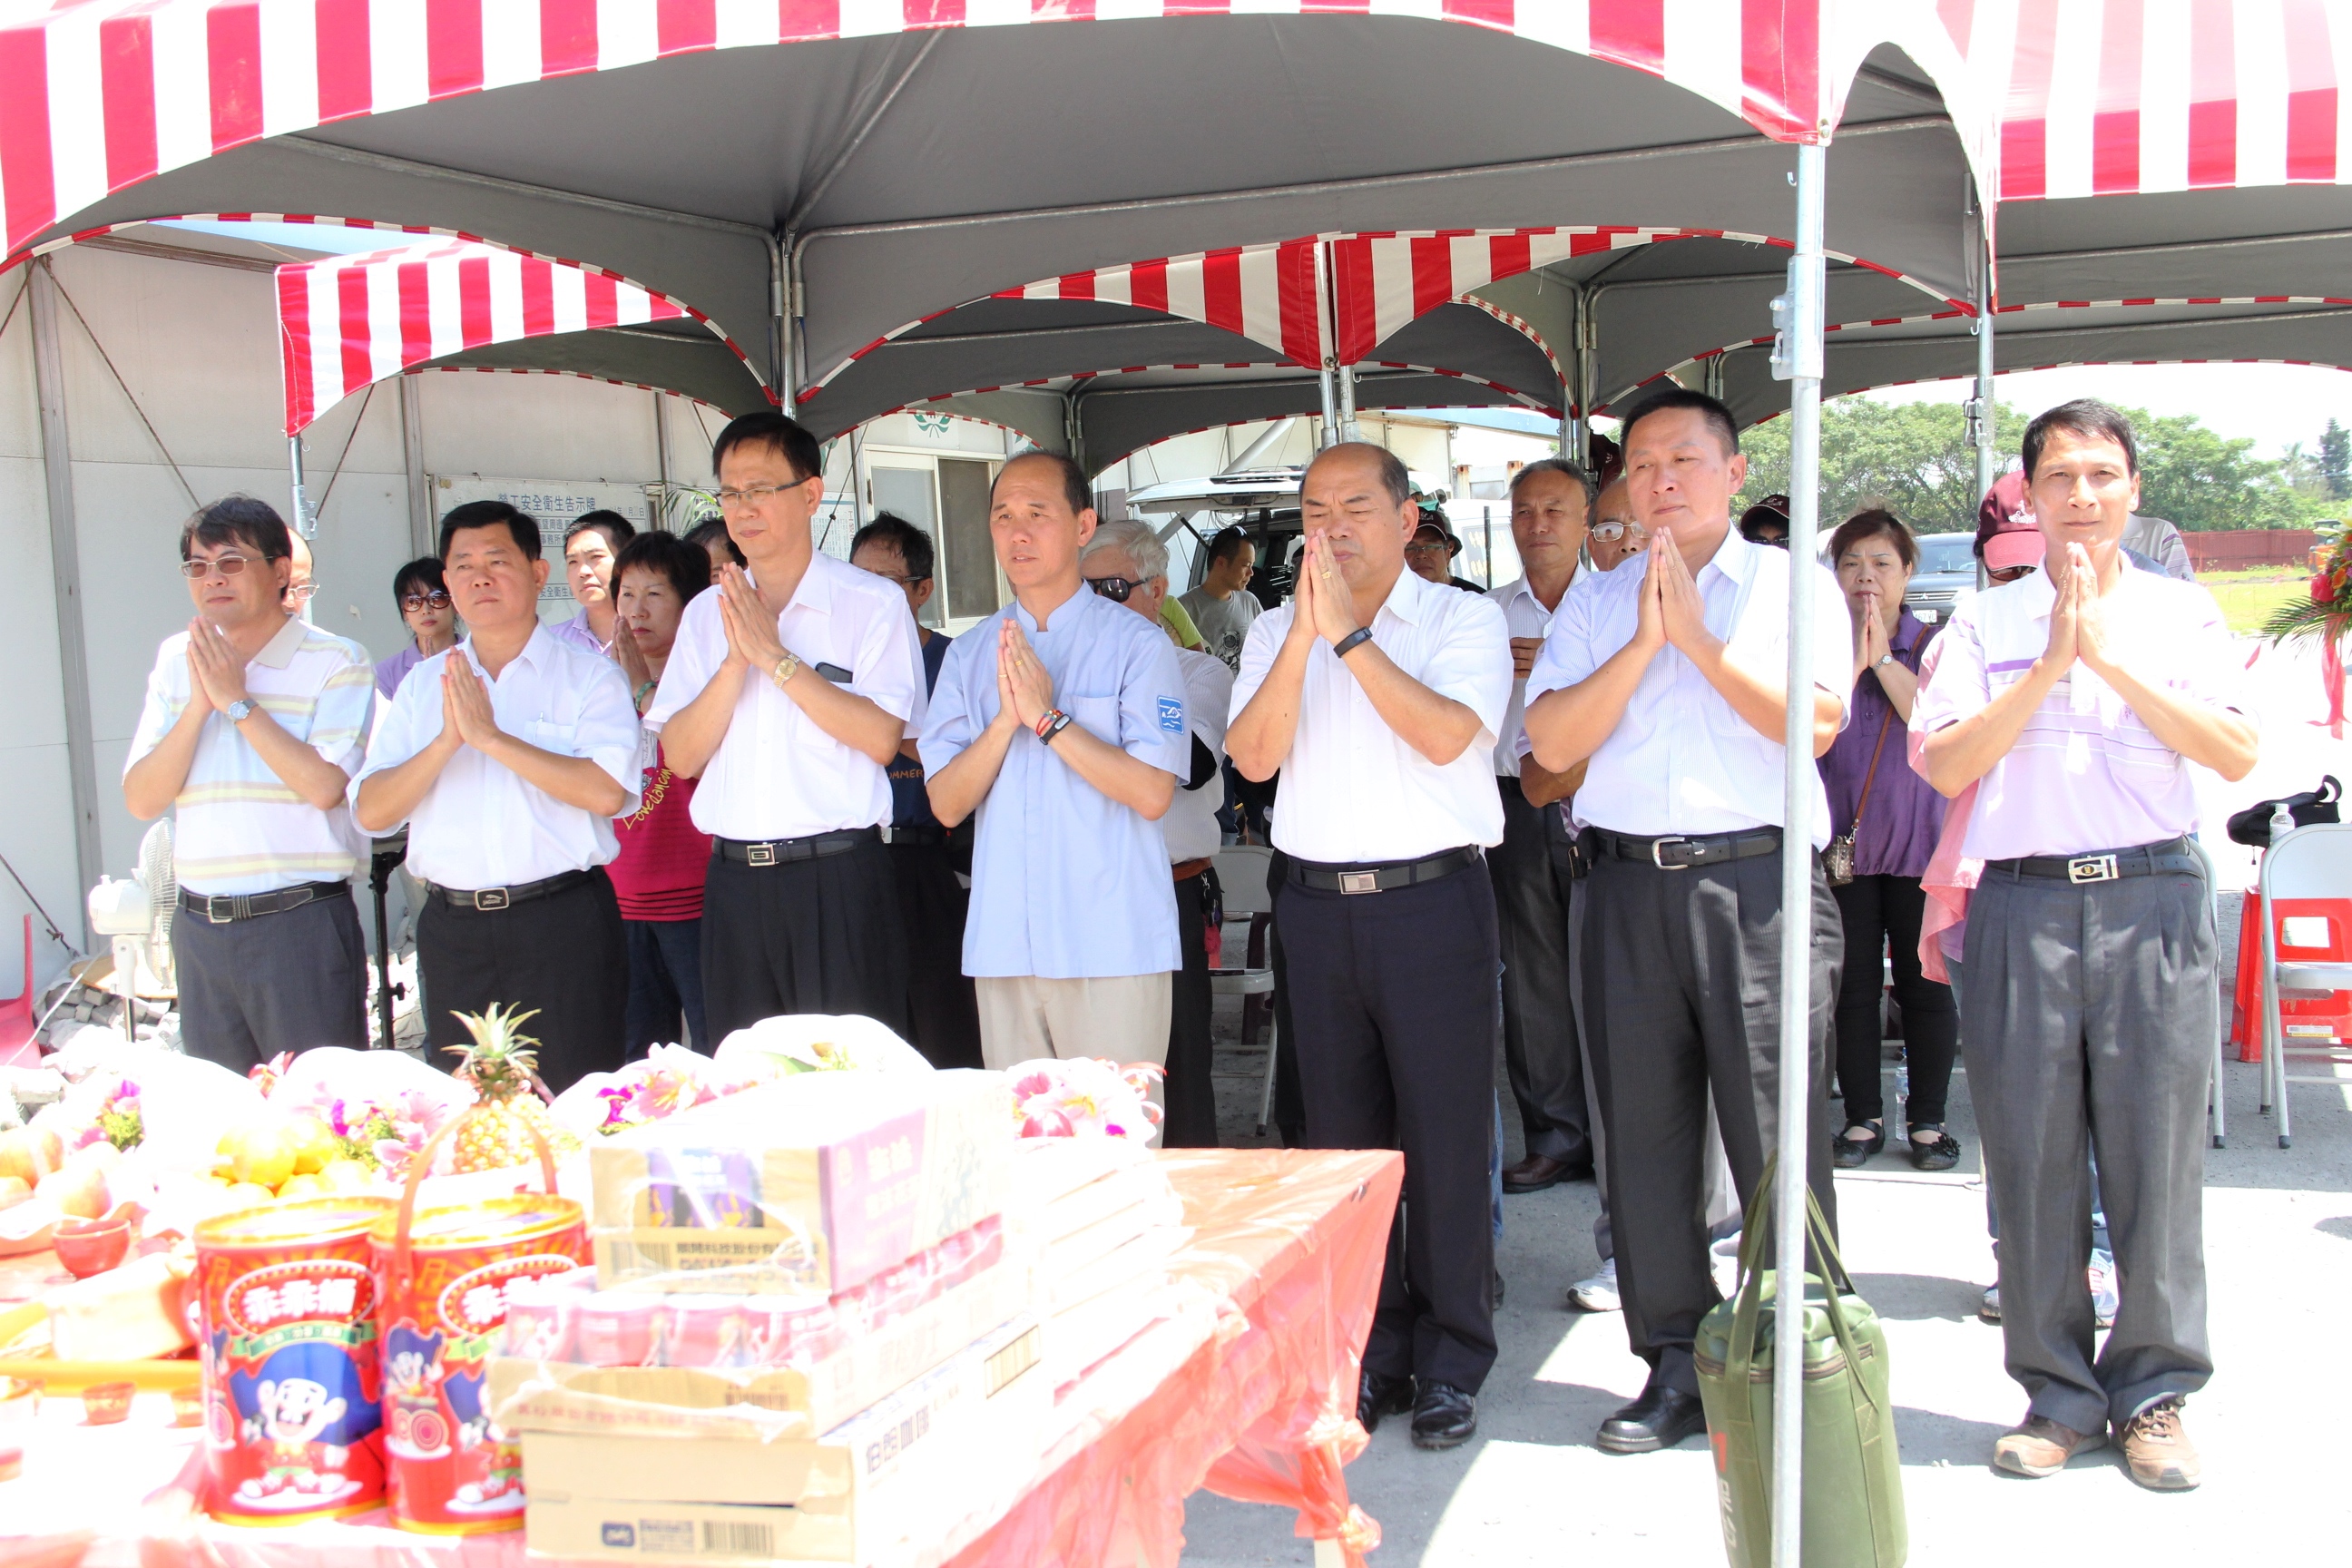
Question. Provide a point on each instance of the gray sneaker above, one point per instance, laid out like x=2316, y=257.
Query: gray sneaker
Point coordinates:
x=1990, y=1308
x=2103, y=1288
x=1597, y=1294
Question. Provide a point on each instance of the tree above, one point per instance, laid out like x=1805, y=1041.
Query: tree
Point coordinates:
x=2335, y=459
x=1915, y=457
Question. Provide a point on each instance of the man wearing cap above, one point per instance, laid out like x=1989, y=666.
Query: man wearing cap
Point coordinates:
x=788, y=692
x=1532, y=888
x=1766, y=522
x=1433, y=549
x=2076, y=699
x=1671, y=677
x=1379, y=693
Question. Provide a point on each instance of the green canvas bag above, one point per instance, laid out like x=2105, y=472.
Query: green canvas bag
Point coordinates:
x=1852, y=1475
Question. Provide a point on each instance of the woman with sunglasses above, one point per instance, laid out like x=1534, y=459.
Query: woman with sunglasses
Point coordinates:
x=425, y=608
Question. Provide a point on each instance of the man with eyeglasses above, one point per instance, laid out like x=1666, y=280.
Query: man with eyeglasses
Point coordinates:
x=1126, y=563
x=253, y=725
x=301, y=584
x=1430, y=552
x=790, y=690
x=1378, y=694
x=1616, y=533
x=508, y=757
x=940, y=1007
x=1060, y=720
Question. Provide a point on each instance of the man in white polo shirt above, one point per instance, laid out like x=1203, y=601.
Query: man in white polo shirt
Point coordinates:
x=1377, y=694
x=252, y=727
x=509, y=756
x=788, y=692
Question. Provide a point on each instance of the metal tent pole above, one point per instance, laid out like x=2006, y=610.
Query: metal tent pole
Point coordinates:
x=1803, y=354
x=1349, y=430
x=1983, y=411
x=1327, y=375
x=1574, y=420
x=64, y=582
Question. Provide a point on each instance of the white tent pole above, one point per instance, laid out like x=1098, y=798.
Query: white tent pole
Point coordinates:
x=1986, y=408
x=1347, y=428
x=1804, y=354
x=64, y=582
x=784, y=257
x=1574, y=419
x=1327, y=377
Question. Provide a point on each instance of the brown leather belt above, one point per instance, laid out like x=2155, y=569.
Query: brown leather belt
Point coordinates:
x=1185, y=870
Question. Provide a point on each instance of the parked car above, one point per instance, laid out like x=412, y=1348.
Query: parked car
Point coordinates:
x=1947, y=568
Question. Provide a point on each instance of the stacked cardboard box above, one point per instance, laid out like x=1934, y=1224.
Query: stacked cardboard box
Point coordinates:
x=1104, y=1223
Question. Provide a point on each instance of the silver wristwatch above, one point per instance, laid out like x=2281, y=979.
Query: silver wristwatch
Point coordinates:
x=1883, y=660
x=239, y=710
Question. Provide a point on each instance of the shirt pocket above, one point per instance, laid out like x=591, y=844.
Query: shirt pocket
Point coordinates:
x=553, y=736
x=1098, y=716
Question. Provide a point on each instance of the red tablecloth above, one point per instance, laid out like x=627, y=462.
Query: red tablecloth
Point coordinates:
x=1250, y=1391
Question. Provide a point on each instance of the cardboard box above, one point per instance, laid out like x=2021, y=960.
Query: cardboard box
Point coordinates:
x=811, y=1184
x=539, y=1396
x=963, y=1438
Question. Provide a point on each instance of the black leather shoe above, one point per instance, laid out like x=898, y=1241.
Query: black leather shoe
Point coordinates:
x=1378, y=1395
x=1442, y=1416
x=1661, y=1418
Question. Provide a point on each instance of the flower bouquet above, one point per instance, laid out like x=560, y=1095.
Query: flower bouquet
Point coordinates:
x=1082, y=1097
x=2325, y=614
x=670, y=1079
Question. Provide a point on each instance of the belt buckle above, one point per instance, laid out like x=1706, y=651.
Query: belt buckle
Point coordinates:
x=2091, y=869
x=490, y=898
x=1658, y=853
x=220, y=909
x=1360, y=882
x=759, y=854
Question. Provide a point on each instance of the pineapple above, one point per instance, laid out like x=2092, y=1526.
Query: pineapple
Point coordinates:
x=501, y=1065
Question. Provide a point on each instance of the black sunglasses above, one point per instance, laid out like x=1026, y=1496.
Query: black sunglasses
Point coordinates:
x=438, y=598
x=1114, y=589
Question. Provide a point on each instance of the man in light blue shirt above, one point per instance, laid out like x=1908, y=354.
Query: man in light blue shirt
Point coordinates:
x=1061, y=721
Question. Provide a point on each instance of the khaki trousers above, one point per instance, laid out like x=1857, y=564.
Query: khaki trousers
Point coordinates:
x=1122, y=1018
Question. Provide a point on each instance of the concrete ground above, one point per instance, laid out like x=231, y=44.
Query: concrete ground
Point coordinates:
x=1532, y=1488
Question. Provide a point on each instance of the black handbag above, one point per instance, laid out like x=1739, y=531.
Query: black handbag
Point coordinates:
x=2252, y=826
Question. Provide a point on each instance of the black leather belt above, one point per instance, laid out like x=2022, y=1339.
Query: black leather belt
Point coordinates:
x=1679, y=852
x=2173, y=855
x=920, y=833
x=225, y=909
x=489, y=901
x=1384, y=877
x=779, y=851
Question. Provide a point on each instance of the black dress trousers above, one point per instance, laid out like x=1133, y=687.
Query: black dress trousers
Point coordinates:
x=1682, y=993
x=1190, y=1110
x=564, y=956
x=807, y=936
x=1541, y=1050
x=1395, y=1000
x=942, y=1006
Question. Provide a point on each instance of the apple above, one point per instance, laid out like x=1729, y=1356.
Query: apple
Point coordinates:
x=28, y=1153
x=79, y=1191
x=14, y=1190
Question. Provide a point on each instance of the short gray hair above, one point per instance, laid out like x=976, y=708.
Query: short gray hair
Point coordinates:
x=1556, y=466
x=1133, y=540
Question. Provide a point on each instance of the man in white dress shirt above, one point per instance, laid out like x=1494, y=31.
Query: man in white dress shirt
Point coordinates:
x=1379, y=695
x=509, y=756
x=788, y=693
x=1126, y=564
x=1548, y=502
x=1669, y=676
x=252, y=725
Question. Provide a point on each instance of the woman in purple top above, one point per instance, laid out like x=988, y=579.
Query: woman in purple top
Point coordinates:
x=424, y=600
x=1867, y=776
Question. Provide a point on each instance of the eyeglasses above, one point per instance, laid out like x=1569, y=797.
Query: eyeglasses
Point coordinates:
x=1432, y=549
x=227, y=565
x=2011, y=573
x=300, y=590
x=753, y=495
x=900, y=578
x=1610, y=532
x=438, y=598
x=1114, y=589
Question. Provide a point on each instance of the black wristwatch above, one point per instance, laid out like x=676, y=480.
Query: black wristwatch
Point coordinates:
x=1351, y=642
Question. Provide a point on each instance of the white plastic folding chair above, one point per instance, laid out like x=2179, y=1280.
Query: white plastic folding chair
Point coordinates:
x=2313, y=862
x=1240, y=875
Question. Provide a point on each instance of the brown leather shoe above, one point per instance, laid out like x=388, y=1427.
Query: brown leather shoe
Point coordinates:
x=2159, y=1454
x=2040, y=1446
x=1536, y=1172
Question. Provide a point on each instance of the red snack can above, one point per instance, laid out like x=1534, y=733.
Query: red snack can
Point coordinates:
x=704, y=1331
x=610, y=1329
x=450, y=1469
x=540, y=1316
x=286, y=1322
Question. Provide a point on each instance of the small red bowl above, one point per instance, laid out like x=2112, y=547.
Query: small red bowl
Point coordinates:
x=104, y=1404
x=88, y=1247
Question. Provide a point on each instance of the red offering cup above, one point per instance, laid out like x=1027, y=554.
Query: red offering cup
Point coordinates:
x=704, y=1331
x=104, y=1404
x=614, y=1329
x=541, y=1317
x=88, y=1247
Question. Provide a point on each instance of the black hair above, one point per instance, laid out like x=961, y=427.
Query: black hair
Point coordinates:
x=617, y=530
x=1226, y=544
x=424, y=572
x=490, y=514
x=712, y=537
x=773, y=430
x=2085, y=417
x=685, y=565
x=1673, y=397
x=237, y=520
x=913, y=545
x=1555, y=465
x=1074, y=488
x=1869, y=523
x=1395, y=478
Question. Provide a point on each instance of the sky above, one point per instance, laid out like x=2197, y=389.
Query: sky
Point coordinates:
x=2272, y=404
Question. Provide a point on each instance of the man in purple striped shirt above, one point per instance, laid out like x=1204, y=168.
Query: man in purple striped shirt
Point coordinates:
x=2077, y=697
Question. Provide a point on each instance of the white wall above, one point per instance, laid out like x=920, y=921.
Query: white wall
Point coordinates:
x=197, y=346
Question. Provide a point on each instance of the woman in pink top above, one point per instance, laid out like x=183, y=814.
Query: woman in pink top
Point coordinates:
x=658, y=872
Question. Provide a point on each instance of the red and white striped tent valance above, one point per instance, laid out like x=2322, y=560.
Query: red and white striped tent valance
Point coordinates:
x=97, y=95
x=2119, y=97
x=348, y=321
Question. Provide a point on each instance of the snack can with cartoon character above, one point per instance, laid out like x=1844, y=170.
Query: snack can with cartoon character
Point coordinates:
x=452, y=1470
x=286, y=1322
